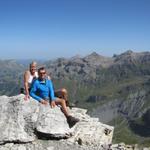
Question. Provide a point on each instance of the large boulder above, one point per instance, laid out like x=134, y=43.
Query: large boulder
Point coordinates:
x=17, y=119
x=22, y=122
x=52, y=123
x=89, y=131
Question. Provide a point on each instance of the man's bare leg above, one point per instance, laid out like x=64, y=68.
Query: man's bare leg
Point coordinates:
x=62, y=93
x=62, y=103
x=70, y=119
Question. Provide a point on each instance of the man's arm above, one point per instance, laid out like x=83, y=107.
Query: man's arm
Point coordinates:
x=52, y=96
x=34, y=90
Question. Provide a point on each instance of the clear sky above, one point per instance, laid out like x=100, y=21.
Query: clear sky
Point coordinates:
x=49, y=29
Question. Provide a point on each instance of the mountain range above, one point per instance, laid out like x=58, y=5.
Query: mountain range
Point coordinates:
x=114, y=89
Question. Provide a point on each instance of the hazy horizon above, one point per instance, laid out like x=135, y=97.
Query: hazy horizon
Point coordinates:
x=43, y=59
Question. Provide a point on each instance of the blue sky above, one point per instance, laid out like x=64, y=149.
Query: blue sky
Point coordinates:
x=49, y=29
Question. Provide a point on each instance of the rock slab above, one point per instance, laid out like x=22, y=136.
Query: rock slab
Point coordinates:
x=53, y=122
x=22, y=122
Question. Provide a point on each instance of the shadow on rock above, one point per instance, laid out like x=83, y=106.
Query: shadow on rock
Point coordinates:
x=46, y=136
x=141, y=128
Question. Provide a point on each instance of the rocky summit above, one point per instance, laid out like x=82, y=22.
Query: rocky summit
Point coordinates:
x=33, y=126
x=115, y=90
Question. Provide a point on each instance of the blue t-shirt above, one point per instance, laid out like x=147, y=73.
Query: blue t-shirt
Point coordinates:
x=42, y=90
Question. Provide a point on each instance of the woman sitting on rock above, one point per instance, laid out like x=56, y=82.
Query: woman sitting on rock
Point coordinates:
x=29, y=76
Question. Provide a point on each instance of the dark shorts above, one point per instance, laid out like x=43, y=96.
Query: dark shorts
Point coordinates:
x=58, y=94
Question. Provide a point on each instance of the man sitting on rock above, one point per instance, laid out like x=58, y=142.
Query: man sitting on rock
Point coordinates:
x=42, y=90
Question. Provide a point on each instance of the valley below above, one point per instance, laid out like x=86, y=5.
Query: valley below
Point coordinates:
x=114, y=89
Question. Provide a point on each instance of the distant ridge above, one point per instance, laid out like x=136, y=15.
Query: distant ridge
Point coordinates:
x=115, y=89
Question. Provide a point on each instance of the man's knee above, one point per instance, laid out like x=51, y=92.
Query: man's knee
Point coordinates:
x=60, y=101
x=63, y=101
x=64, y=90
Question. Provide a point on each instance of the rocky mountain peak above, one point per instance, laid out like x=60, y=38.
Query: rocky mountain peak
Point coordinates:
x=97, y=60
x=128, y=52
x=75, y=57
x=127, y=57
x=130, y=57
x=93, y=55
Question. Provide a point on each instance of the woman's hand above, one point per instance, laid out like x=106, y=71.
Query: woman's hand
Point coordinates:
x=27, y=96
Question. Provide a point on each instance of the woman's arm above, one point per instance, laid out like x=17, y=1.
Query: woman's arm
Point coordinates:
x=26, y=84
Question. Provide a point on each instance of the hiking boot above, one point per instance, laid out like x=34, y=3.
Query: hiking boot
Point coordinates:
x=72, y=121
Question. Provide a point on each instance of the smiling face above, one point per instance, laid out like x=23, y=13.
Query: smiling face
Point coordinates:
x=33, y=67
x=42, y=73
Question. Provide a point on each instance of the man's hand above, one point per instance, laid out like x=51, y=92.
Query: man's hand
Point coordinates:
x=27, y=96
x=52, y=104
x=44, y=102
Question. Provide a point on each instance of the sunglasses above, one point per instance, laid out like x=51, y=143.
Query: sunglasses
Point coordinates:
x=33, y=68
x=42, y=73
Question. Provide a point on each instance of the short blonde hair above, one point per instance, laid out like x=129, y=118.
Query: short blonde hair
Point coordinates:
x=33, y=63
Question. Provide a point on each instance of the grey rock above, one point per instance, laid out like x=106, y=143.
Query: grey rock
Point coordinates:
x=46, y=145
x=92, y=134
x=98, y=60
x=17, y=119
x=63, y=145
x=52, y=122
x=82, y=115
x=89, y=131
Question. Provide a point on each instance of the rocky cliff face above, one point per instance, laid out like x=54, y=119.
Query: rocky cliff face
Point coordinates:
x=94, y=62
x=28, y=125
x=129, y=109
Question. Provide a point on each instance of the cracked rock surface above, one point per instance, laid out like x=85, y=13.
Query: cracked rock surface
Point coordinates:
x=29, y=125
